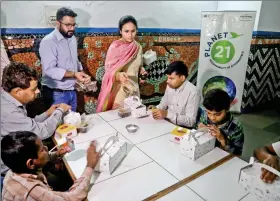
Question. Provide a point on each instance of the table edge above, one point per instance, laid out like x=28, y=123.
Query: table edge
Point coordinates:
x=190, y=178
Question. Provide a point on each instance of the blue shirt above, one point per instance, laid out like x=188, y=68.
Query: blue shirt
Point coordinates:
x=58, y=55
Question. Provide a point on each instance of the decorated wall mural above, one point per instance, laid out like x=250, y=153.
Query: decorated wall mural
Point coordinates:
x=262, y=76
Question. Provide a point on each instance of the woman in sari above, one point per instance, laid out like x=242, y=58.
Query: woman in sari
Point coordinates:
x=123, y=62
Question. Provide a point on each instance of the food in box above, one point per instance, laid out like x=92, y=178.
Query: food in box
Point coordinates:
x=178, y=133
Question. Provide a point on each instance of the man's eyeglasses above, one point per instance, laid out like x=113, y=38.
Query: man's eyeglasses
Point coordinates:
x=70, y=25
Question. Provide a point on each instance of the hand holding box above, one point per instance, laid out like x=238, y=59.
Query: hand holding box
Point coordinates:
x=250, y=179
x=112, y=153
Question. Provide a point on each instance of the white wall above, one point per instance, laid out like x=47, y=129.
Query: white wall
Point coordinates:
x=270, y=16
x=242, y=5
x=150, y=14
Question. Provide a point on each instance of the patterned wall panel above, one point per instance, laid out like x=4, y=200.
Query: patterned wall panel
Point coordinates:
x=262, y=82
x=262, y=77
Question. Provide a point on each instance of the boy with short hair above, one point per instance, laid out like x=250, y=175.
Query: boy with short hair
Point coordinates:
x=218, y=119
x=24, y=153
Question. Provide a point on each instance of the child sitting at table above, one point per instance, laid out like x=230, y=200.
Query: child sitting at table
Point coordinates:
x=24, y=153
x=218, y=119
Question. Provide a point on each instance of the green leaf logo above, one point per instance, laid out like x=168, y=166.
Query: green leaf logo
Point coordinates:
x=235, y=35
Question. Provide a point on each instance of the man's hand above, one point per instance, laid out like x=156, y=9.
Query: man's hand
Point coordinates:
x=52, y=109
x=87, y=78
x=64, y=107
x=82, y=77
x=273, y=162
x=92, y=155
x=215, y=131
x=159, y=114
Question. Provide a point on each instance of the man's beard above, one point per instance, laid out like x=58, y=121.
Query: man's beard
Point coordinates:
x=65, y=34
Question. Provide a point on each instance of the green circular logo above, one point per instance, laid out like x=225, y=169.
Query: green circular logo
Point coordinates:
x=222, y=52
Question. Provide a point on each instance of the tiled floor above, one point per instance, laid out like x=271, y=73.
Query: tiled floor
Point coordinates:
x=260, y=128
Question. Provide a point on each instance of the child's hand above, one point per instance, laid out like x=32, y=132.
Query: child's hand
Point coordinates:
x=273, y=162
x=215, y=131
x=62, y=151
x=92, y=156
x=201, y=125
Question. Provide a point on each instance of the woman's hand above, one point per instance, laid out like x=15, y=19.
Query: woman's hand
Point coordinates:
x=122, y=77
x=143, y=75
x=143, y=71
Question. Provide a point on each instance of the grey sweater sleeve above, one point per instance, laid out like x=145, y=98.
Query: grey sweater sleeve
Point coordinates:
x=18, y=121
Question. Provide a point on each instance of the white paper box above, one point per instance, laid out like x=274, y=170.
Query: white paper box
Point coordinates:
x=250, y=179
x=73, y=118
x=136, y=106
x=132, y=102
x=149, y=57
x=112, y=153
x=197, y=144
x=139, y=112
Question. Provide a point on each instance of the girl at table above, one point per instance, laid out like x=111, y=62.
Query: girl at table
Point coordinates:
x=123, y=62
